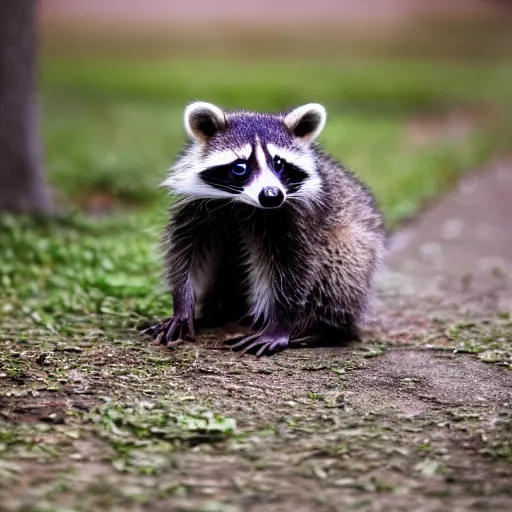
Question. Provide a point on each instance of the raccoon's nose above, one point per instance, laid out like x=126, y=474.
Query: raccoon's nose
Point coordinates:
x=271, y=197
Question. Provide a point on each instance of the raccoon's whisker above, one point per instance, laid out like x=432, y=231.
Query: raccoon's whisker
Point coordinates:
x=251, y=211
x=227, y=186
x=216, y=181
x=309, y=203
x=213, y=210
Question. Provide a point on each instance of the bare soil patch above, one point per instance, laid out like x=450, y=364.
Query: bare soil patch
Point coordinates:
x=416, y=417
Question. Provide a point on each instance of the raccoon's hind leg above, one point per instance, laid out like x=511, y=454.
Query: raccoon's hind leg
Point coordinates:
x=265, y=342
x=321, y=335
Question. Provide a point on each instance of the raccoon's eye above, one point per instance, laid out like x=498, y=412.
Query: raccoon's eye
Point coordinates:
x=278, y=164
x=239, y=168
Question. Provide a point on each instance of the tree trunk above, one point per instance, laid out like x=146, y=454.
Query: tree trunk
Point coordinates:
x=22, y=186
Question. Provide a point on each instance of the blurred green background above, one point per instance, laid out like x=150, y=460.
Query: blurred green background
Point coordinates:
x=411, y=105
x=416, y=92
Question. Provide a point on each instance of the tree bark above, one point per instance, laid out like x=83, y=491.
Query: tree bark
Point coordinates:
x=22, y=186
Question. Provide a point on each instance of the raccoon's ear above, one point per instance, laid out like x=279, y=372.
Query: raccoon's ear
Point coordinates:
x=306, y=122
x=203, y=120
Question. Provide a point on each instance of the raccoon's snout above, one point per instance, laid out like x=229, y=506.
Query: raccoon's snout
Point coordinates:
x=271, y=197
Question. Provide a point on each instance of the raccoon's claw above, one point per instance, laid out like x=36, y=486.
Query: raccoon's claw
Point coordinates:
x=171, y=331
x=156, y=329
x=177, y=331
x=262, y=343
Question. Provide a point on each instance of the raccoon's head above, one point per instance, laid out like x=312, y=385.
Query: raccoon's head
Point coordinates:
x=259, y=159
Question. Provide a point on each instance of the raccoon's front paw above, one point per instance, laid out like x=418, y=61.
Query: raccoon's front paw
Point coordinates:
x=267, y=342
x=172, y=331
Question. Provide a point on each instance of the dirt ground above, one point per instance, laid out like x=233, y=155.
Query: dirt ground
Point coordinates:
x=416, y=417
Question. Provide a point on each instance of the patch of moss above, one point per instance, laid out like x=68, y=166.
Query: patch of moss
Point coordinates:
x=144, y=433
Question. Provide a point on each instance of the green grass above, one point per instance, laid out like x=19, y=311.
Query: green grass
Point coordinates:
x=78, y=383
x=115, y=126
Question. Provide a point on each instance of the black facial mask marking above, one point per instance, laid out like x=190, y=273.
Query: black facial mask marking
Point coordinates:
x=231, y=177
x=290, y=175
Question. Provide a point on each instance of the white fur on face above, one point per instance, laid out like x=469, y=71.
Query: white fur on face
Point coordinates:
x=300, y=158
x=184, y=178
x=265, y=177
x=304, y=160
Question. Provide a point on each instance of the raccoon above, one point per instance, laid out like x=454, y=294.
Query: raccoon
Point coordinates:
x=268, y=231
